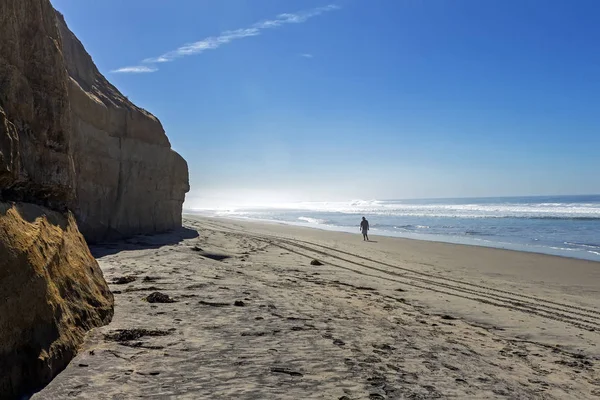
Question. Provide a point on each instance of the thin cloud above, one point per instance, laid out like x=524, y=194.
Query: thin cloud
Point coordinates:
x=138, y=69
x=306, y=55
x=214, y=42
x=209, y=43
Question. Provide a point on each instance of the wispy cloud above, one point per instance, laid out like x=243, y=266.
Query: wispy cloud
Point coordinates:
x=209, y=43
x=214, y=42
x=138, y=69
x=306, y=55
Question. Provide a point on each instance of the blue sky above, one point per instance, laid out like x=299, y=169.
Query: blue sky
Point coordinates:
x=272, y=100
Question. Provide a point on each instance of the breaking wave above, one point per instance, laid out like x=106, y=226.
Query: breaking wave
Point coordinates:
x=533, y=210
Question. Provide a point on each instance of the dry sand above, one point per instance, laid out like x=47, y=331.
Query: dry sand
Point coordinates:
x=388, y=319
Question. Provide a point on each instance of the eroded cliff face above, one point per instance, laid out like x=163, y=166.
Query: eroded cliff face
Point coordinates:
x=73, y=151
x=35, y=126
x=68, y=138
x=52, y=292
x=128, y=179
x=51, y=288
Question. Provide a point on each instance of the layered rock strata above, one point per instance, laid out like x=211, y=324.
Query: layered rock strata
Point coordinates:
x=128, y=179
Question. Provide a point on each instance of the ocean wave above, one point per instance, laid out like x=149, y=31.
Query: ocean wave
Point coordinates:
x=232, y=212
x=379, y=225
x=477, y=233
x=562, y=248
x=409, y=226
x=404, y=226
x=586, y=245
x=560, y=217
x=310, y=220
x=402, y=213
x=566, y=211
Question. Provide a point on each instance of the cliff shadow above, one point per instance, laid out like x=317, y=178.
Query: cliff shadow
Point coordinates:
x=142, y=242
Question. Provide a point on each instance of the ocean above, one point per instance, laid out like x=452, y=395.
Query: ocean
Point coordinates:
x=560, y=225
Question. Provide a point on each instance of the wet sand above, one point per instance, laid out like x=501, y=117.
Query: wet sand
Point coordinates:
x=245, y=315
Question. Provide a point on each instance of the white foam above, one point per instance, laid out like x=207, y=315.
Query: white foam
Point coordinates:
x=541, y=210
x=590, y=246
x=474, y=210
x=310, y=220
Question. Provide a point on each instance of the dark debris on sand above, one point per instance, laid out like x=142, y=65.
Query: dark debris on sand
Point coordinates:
x=215, y=256
x=122, y=280
x=158, y=297
x=213, y=303
x=448, y=317
x=142, y=289
x=316, y=262
x=288, y=371
x=125, y=335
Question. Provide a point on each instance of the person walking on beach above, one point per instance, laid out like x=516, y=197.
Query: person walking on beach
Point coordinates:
x=364, y=228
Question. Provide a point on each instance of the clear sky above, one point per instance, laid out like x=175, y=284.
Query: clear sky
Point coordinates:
x=272, y=100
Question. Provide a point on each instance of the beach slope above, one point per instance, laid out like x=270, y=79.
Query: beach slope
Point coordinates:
x=245, y=315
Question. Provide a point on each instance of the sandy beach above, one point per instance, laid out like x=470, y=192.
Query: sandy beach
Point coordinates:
x=242, y=314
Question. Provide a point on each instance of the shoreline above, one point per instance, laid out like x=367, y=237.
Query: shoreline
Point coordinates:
x=246, y=315
x=448, y=239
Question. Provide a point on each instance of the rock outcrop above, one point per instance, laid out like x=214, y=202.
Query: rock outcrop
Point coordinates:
x=52, y=292
x=128, y=180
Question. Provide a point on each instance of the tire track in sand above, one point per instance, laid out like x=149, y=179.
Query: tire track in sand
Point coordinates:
x=579, y=317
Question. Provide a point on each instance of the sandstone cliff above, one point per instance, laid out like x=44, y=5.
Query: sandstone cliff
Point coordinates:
x=51, y=292
x=51, y=288
x=68, y=138
x=35, y=161
x=128, y=180
x=68, y=141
